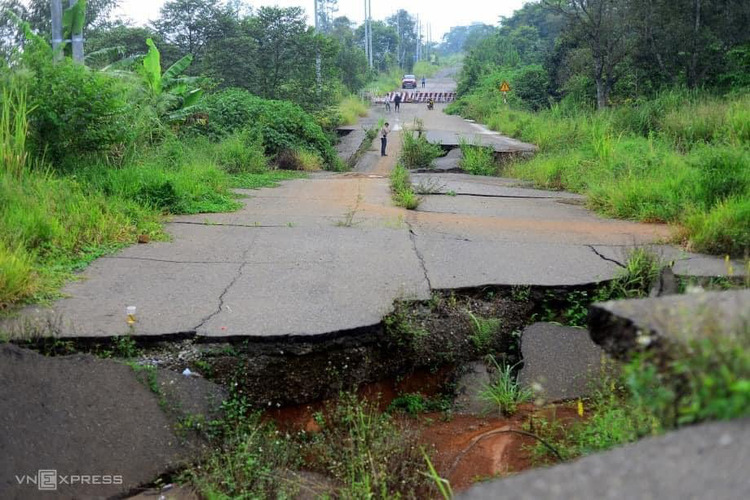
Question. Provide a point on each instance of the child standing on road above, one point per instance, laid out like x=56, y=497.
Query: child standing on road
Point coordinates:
x=423, y=81
x=384, y=138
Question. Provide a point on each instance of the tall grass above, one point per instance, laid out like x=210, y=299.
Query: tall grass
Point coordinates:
x=402, y=190
x=476, y=159
x=681, y=158
x=352, y=108
x=417, y=151
x=53, y=224
x=13, y=129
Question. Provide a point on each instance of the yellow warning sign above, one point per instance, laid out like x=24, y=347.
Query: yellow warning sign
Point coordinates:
x=504, y=87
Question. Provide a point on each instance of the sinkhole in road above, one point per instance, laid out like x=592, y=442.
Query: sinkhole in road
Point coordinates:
x=409, y=366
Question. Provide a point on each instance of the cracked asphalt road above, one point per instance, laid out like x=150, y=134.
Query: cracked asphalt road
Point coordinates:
x=331, y=253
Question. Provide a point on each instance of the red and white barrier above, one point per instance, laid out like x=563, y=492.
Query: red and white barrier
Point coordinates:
x=409, y=97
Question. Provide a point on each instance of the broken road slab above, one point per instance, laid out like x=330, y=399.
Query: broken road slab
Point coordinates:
x=499, y=143
x=560, y=362
x=466, y=184
x=626, y=325
x=704, y=461
x=81, y=415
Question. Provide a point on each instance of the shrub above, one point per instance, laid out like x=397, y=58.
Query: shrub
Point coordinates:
x=477, y=160
x=283, y=125
x=17, y=276
x=242, y=152
x=402, y=190
x=504, y=393
x=417, y=151
x=75, y=111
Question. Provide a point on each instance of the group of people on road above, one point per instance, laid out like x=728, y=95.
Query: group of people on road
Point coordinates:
x=386, y=129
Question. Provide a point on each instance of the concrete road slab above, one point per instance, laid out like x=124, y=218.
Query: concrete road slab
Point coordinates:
x=454, y=263
x=499, y=143
x=307, y=282
x=560, y=362
x=702, y=461
x=685, y=263
x=485, y=186
x=169, y=297
x=200, y=243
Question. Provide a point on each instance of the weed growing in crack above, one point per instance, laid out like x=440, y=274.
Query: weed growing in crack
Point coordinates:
x=415, y=403
x=370, y=453
x=504, y=393
x=402, y=191
x=650, y=395
x=418, y=152
x=400, y=326
x=477, y=159
x=483, y=331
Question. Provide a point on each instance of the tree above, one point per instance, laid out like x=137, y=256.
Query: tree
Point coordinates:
x=286, y=52
x=406, y=28
x=351, y=59
x=326, y=11
x=97, y=14
x=384, y=44
x=604, y=27
x=189, y=25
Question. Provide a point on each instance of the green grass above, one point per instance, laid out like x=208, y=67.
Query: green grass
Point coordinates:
x=504, y=393
x=650, y=395
x=365, y=453
x=483, y=331
x=682, y=158
x=352, y=108
x=385, y=82
x=270, y=178
x=52, y=225
x=477, y=160
x=402, y=191
x=417, y=151
x=426, y=69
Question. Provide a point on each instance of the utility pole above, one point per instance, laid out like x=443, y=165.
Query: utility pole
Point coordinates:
x=77, y=38
x=318, y=71
x=367, y=36
x=57, y=40
x=369, y=31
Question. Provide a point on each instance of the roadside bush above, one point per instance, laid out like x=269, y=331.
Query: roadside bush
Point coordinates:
x=17, y=277
x=242, y=152
x=74, y=111
x=301, y=160
x=283, y=125
x=418, y=152
x=477, y=160
x=351, y=109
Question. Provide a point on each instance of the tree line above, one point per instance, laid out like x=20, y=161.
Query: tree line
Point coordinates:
x=269, y=51
x=604, y=51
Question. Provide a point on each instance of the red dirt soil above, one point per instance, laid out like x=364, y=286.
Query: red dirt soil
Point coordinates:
x=465, y=448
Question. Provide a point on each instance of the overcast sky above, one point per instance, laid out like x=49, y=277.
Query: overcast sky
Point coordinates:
x=440, y=13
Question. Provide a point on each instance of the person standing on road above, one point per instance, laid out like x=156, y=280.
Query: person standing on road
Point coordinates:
x=397, y=102
x=384, y=138
x=423, y=81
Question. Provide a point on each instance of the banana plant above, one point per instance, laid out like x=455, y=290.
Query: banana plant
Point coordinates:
x=175, y=94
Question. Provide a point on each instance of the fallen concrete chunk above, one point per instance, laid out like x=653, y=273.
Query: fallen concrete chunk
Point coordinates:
x=623, y=326
x=705, y=461
x=90, y=419
x=468, y=388
x=562, y=360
